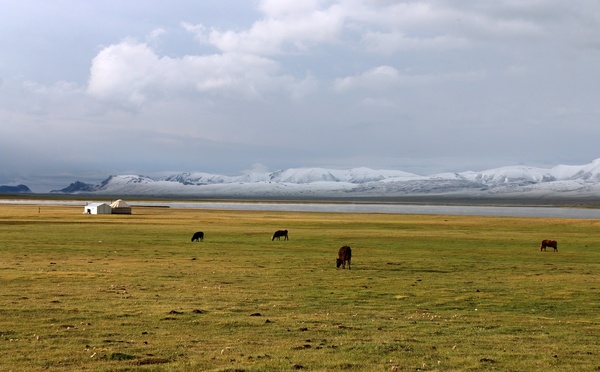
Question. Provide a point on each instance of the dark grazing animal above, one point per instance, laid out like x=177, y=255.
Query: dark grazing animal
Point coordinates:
x=279, y=233
x=344, y=255
x=549, y=243
x=198, y=236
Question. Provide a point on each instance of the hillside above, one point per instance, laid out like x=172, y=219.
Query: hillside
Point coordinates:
x=19, y=189
x=510, y=181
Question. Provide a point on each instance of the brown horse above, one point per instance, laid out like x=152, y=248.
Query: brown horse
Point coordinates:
x=549, y=243
x=344, y=255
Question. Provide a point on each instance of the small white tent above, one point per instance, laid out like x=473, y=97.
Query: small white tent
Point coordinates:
x=120, y=207
x=97, y=208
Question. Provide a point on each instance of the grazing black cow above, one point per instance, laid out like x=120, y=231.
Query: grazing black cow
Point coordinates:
x=549, y=243
x=198, y=236
x=279, y=233
x=344, y=255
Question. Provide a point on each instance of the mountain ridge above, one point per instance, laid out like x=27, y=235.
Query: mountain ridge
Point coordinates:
x=19, y=189
x=561, y=180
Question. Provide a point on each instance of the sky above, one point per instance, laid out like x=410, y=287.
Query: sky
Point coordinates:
x=90, y=89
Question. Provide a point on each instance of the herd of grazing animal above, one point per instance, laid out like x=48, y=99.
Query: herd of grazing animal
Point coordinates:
x=345, y=252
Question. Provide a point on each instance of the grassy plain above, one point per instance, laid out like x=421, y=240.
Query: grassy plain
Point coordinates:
x=429, y=293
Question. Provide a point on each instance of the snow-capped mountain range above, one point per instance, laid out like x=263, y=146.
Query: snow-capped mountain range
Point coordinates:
x=510, y=181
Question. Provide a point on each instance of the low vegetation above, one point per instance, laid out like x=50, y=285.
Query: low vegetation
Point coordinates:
x=429, y=293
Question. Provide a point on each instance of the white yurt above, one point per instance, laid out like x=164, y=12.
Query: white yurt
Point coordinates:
x=120, y=207
x=97, y=208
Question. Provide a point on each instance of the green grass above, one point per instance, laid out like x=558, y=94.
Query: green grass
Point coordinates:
x=430, y=293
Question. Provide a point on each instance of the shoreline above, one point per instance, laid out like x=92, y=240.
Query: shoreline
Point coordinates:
x=441, y=200
x=364, y=207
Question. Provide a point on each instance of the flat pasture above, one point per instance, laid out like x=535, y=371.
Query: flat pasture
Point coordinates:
x=426, y=292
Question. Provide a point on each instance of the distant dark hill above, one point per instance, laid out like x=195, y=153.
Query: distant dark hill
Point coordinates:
x=20, y=189
x=76, y=187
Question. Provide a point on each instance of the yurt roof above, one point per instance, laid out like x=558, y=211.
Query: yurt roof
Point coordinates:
x=120, y=204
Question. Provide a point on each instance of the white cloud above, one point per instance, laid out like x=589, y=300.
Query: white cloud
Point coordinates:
x=58, y=88
x=198, y=30
x=288, y=8
x=133, y=73
x=380, y=27
x=387, y=79
x=122, y=72
x=296, y=27
x=374, y=79
x=272, y=36
x=392, y=42
x=156, y=33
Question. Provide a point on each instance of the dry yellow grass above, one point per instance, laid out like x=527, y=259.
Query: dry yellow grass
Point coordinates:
x=425, y=292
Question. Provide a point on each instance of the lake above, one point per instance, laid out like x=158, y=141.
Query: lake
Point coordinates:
x=467, y=210
x=559, y=212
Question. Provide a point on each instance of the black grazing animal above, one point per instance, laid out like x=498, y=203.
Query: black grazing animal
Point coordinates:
x=549, y=243
x=279, y=233
x=198, y=236
x=344, y=255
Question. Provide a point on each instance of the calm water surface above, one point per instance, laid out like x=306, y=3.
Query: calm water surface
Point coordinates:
x=400, y=209
x=559, y=212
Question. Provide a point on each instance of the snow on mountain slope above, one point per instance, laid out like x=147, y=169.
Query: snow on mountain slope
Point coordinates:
x=198, y=178
x=355, y=175
x=322, y=182
x=588, y=172
x=510, y=175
